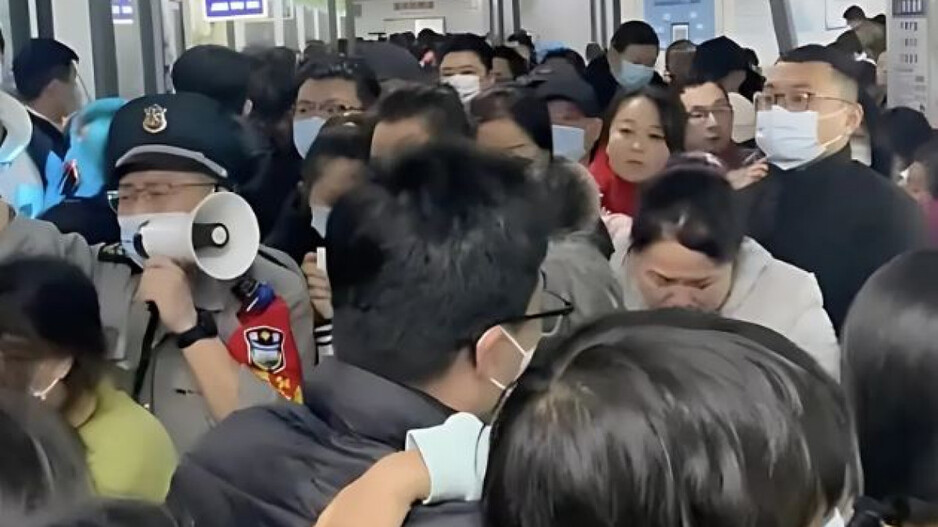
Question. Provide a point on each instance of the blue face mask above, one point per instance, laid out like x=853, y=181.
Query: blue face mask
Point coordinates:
x=633, y=77
x=305, y=132
x=569, y=142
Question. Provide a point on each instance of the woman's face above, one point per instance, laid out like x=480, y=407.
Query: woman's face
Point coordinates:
x=337, y=177
x=917, y=185
x=671, y=275
x=505, y=136
x=637, y=148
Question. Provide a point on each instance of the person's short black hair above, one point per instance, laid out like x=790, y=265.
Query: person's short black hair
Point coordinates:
x=594, y=51
x=634, y=32
x=439, y=107
x=217, y=72
x=357, y=71
x=41, y=61
x=342, y=137
x=572, y=57
x=693, y=205
x=907, y=130
x=681, y=45
x=848, y=42
x=271, y=83
x=670, y=418
x=445, y=244
x=49, y=309
x=470, y=43
x=42, y=458
x=854, y=12
x=843, y=63
x=516, y=62
x=670, y=109
x=520, y=105
x=717, y=58
x=889, y=370
x=696, y=83
x=522, y=38
x=880, y=19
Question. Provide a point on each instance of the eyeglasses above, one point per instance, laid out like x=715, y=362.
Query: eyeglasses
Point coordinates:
x=328, y=109
x=793, y=102
x=555, y=309
x=702, y=114
x=128, y=194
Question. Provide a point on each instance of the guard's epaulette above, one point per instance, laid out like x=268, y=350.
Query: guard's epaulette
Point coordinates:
x=275, y=257
x=114, y=253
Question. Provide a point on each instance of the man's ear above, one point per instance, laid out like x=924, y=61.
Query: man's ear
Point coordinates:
x=855, y=118
x=594, y=128
x=248, y=107
x=486, y=351
x=489, y=80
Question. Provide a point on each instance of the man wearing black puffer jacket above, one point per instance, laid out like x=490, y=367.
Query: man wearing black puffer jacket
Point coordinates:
x=439, y=305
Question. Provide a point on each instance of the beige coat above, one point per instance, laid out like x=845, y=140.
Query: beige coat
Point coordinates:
x=767, y=292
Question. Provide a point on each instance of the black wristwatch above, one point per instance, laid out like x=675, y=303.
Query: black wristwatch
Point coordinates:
x=205, y=328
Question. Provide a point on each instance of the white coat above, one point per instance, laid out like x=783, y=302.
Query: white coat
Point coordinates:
x=767, y=292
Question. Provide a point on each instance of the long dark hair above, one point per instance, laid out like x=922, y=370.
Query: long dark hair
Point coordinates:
x=890, y=365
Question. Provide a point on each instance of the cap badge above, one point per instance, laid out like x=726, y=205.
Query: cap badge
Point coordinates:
x=154, y=120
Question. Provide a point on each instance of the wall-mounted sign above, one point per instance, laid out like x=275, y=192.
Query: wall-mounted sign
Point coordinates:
x=675, y=19
x=216, y=10
x=122, y=11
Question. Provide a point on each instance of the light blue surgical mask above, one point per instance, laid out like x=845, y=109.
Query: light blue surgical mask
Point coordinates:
x=305, y=132
x=569, y=142
x=633, y=77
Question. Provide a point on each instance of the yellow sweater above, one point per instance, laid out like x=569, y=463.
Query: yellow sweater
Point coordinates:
x=129, y=453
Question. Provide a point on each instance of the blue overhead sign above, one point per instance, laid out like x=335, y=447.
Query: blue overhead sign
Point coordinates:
x=235, y=9
x=122, y=11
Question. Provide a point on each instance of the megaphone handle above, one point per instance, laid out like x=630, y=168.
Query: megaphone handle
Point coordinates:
x=146, y=351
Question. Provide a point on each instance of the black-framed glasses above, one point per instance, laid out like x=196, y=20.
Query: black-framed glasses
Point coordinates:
x=129, y=193
x=555, y=308
x=793, y=102
x=699, y=113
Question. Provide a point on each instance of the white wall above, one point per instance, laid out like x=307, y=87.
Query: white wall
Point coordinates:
x=462, y=16
x=566, y=21
x=71, y=22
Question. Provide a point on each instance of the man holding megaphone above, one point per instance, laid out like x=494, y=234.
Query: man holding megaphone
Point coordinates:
x=201, y=319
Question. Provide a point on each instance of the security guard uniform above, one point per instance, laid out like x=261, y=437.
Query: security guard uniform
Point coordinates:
x=175, y=130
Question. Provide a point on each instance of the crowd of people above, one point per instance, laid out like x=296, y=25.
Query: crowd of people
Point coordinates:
x=437, y=282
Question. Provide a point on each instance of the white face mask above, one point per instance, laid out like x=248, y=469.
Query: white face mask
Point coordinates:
x=569, y=142
x=305, y=132
x=526, y=357
x=790, y=139
x=320, y=218
x=467, y=86
x=130, y=226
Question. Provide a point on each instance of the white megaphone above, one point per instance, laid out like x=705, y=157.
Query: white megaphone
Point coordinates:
x=221, y=236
